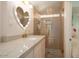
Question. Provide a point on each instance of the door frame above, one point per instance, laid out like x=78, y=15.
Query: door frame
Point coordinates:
x=67, y=29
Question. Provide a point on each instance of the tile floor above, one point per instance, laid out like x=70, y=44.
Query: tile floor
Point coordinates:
x=53, y=53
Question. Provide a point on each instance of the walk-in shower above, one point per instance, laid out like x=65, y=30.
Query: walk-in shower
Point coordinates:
x=48, y=21
x=54, y=36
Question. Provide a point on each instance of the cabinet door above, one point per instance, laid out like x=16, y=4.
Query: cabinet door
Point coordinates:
x=43, y=48
x=37, y=51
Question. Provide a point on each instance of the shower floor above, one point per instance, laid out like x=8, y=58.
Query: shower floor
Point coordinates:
x=53, y=53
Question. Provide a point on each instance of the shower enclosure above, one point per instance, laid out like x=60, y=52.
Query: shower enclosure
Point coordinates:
x=52, y=28
x=75, y=32
x=48, y=21
x=53, y=32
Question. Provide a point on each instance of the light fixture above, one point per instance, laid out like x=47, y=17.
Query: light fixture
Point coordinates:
x=52, y=15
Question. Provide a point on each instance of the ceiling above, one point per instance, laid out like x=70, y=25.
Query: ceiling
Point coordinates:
x=75, y=7
x=75, y=3
x=43, y=6
x=53, y=3
x=46, y=3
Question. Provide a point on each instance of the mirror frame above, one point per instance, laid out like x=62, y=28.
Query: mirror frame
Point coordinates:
x=24, y=7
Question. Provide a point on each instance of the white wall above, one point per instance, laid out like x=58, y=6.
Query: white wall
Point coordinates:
x=0, y=21
x=67, y=28
x=10, y=25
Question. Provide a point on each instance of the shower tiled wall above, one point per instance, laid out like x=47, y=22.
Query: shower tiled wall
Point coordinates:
x=53, y=31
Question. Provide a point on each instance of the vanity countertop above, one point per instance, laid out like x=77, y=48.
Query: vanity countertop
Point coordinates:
x=15, y=48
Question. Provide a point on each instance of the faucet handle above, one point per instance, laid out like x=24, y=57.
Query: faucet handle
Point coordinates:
x=24, y=35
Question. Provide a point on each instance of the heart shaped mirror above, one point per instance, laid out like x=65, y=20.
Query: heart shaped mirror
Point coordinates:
x=22, y=14
x=23, y=17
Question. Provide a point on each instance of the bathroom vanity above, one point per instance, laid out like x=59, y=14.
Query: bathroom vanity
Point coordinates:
x=33, y=46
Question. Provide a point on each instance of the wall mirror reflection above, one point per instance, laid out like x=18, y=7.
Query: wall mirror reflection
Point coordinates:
x=23, y=17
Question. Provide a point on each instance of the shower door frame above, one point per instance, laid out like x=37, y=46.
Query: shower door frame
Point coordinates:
x=67, y=29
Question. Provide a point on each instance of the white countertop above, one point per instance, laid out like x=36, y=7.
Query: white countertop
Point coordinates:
x=15, y=48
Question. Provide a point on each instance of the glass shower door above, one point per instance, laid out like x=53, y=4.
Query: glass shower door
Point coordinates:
x=75, y=36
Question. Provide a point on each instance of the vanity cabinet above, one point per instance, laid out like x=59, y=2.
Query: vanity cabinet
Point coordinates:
x=33, y=46
x=38, y=51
